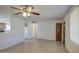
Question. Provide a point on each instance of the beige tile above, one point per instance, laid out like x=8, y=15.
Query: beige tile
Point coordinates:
x=40, y=46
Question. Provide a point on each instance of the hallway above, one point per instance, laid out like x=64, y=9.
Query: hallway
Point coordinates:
x=41, y=46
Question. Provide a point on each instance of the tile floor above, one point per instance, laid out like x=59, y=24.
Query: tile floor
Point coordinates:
x=38, y=46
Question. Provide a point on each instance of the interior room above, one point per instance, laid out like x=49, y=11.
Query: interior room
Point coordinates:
x=39, y=29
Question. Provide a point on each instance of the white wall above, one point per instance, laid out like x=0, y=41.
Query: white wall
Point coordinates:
x=17, y=29
x=16, y=35
x=74, y=25
x=72, y=30
x=47, y=29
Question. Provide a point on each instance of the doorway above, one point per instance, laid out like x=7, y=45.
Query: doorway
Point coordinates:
x=58, y=31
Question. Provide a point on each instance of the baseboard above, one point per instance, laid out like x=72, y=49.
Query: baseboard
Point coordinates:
x=27, y=38
x=43, y=39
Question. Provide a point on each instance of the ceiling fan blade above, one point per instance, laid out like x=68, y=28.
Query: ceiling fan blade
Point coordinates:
x=17, y=13
x=35, y=13
x=16, y=8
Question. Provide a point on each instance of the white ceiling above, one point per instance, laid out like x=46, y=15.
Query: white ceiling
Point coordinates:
x=50, y=11
x=46, y=11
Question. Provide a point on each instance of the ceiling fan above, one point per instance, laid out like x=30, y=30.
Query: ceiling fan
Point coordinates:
x=27, y=10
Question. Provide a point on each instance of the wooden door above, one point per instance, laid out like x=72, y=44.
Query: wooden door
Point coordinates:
x=58, y=31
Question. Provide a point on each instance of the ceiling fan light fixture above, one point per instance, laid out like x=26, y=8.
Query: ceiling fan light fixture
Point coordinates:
x=28, y=15
x=24, y=14
x=29, y=9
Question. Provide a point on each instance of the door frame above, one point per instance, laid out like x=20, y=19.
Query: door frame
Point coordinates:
x=64, y=28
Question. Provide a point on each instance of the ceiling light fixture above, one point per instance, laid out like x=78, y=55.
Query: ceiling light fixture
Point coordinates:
x=28, y=15
x=27, y=10
x=24, y=14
